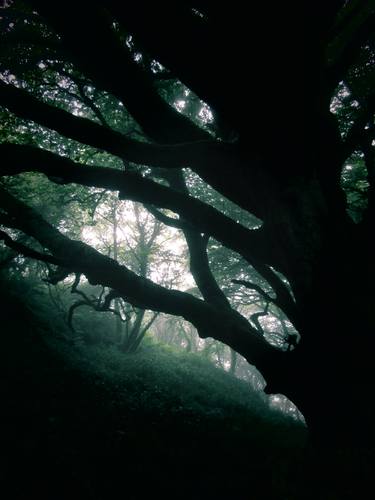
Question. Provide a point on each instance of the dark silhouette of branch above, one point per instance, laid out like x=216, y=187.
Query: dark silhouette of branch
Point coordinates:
x=98, y=57
x=197, y=245
x=26, y=251
x=168, y=221
x=204, y=218
x=211, y=321
x=24, y=104
x=253, y=286
x=95, y=303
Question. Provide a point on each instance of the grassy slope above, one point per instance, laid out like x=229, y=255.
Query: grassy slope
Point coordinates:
x=89, y=423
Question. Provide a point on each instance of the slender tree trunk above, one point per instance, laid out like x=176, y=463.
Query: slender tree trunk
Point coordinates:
x=118, y=322
x=135, y=331
x=188, y=347
x=233, y=361
x=119, y=326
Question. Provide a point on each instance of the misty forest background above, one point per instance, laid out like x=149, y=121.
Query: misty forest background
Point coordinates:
x=186, y=260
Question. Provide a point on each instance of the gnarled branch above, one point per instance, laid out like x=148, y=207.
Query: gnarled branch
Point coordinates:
x=209, y=320
x=203, y=217
x=25, y=105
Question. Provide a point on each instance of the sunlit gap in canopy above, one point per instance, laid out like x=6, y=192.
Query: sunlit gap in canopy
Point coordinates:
x=343, y=102
x=128, y=232
x=354, y=183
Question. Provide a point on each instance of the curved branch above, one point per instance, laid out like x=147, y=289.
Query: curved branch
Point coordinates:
x=71, y=311
x=57, y=275
x=197, y=244
x=252, y=245
x=26, y=251
x=165, y=219
x=86, y=131
x=176, y=25
x=106, y=59
x=210, y=321
x=283, y=298
x=204, y=218
x=253, y=286
x=255, y=318
x=95, y=303
x=98, y=50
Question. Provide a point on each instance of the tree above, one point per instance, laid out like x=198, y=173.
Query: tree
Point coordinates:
x=132, y=236
x=274, y=140
x=129, y=328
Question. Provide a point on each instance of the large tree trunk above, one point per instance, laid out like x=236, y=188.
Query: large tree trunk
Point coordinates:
x=329, y=375
x=333, y=389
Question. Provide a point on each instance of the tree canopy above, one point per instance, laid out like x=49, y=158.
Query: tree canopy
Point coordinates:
x=249, y=129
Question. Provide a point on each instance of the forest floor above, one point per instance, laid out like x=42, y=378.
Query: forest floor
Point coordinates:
x=91, y=423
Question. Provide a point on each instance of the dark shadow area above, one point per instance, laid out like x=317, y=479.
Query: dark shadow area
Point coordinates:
x=68, y=433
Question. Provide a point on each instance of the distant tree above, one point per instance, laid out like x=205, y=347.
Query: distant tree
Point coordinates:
x=128, y=233
x=126, y=96
x=131, y=236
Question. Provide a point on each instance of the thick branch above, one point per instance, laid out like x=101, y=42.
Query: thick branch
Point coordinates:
x=251, y=244
x=165, y=219
x=26, y=106
x=26, y=251
x=97, y=49
x=229, y=328
x=99, y=52
x=190, y=35
x=197, y=244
